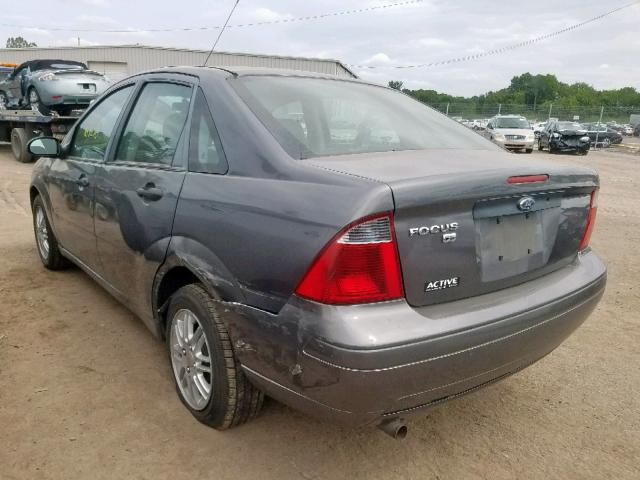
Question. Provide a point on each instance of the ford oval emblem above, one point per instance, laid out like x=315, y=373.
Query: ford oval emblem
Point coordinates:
x=526, y=204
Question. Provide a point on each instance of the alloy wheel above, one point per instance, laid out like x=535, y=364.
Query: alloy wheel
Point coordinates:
x=191, y=359
x=42, y=233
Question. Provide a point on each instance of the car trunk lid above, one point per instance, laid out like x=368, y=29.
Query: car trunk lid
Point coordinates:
x=463, y=229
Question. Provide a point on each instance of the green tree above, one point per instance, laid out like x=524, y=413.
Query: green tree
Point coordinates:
x=19, y=42
x=395, y=84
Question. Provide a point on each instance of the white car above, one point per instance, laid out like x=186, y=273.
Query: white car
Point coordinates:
x=512, y=132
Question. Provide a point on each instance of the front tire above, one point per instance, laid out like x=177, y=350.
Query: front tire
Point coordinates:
x=209, y=379
x=46, y=242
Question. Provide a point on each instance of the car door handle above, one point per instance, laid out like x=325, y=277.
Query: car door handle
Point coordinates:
x=82, y=181
x=150, y=192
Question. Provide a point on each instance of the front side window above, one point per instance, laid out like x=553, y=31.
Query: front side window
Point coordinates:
x=313, y=117
x=205, y=150
x=93, y=134
x=155, y=124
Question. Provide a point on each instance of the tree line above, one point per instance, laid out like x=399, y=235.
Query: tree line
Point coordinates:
x=534, y=91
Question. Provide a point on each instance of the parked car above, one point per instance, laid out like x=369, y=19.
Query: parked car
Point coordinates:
x=627, y=130
x=360, y=280
x=605, y=136
x=512, y=132
x=538, y=127
x=51, y=85
x=636, y=131
x=564, y=137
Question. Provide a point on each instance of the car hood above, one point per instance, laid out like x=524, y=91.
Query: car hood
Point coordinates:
x=514, y=131
x=572, y=132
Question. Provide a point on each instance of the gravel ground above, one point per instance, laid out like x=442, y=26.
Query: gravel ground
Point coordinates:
x=86, y=391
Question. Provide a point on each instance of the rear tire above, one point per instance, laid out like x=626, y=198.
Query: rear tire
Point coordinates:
x=46, y=242
x=36, y=104
x=19, y=140
x=232, y=399
x=529, y=150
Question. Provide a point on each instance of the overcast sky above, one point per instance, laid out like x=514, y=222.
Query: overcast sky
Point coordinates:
x=604, y=53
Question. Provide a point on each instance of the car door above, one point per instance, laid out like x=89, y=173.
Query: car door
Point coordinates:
x=72, y=177
x=137, y=188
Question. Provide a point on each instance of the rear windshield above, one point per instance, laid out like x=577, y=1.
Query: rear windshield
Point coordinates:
x=511, y=123
x=67, y=66
x=312, y=117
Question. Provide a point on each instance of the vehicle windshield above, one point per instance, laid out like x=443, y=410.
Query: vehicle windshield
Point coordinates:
x=312, y=117
x=570, y=126
x=511, y=123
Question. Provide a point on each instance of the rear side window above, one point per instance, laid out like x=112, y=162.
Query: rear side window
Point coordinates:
x=155, y=124
x=205, y=149
x=93, y=134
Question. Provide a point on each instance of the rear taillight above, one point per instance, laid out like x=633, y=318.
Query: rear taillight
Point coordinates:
x=591, y=219
x=359, y=265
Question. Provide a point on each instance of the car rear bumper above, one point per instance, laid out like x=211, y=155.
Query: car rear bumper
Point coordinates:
x=356, y=366
x=69, y=99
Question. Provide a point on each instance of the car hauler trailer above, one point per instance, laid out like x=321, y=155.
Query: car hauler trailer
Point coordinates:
x=20, y=126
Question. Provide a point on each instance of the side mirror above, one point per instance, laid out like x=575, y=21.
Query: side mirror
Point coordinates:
x=44, y=147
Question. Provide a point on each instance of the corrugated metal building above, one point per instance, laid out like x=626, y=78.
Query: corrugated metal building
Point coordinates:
x=120, y=61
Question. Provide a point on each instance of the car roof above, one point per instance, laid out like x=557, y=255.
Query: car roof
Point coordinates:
x=250, y=71
x=45, y=64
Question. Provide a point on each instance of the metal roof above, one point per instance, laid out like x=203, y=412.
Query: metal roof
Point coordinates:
x=178, y=49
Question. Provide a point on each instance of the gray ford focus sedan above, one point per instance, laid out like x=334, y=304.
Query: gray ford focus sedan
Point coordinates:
x=331, y=243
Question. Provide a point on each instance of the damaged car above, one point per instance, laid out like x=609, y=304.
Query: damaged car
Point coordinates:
x=359, y=278
x=48, y=86
x=566, y=137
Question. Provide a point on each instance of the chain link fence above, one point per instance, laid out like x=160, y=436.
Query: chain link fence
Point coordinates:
x=539, y=113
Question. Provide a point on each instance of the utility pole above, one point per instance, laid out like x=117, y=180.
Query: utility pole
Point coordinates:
x=78, y=41
x=447, y=109
x=550, y=107
x=499, y=108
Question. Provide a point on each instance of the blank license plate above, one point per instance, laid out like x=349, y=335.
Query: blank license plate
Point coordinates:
x=510, y=245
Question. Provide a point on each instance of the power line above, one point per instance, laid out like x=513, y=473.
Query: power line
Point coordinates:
x=221, y=31
x=218, y=27
x=497, y=51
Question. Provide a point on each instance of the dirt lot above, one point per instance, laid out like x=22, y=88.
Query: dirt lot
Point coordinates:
x=86, y=392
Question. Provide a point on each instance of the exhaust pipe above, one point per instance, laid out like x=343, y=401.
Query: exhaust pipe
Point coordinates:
x=396, y=428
